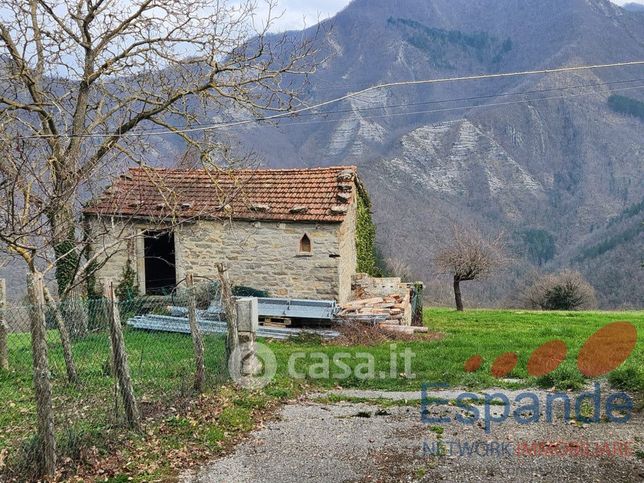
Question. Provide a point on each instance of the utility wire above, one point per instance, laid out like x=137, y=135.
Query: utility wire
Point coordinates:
x=471, y=98
x=459, y=108
x=336, y=100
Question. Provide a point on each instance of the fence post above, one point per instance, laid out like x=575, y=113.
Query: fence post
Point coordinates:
x=247, y=324
x=197, y=340
x=65, y=340
x=119, y=359
x=4, y=329
x=42, y=385
x=230, y=310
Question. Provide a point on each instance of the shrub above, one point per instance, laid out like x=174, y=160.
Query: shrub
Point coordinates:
x=628, y=379
x=127, y=287
x=563, y=378
x=567, y=290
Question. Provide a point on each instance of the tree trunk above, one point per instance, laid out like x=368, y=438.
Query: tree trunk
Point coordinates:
x=65, y=245
x=4, y=329
x=72, y=375
x=457, y=295
x=75, y=313
x=119, y=360
x=42, y=385
x=232, y=341
x=197, y=340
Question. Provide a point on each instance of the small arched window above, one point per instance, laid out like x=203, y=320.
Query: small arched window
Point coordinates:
x=305, y=244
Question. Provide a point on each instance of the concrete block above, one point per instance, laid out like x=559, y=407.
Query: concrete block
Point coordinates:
x=247, y=314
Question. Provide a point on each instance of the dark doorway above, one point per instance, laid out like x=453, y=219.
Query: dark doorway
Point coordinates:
x=160, y=269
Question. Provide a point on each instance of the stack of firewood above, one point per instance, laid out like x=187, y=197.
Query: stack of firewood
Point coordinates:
x=383, y=302
x=389, y=310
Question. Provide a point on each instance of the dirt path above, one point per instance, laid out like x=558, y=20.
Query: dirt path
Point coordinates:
x=366, y=441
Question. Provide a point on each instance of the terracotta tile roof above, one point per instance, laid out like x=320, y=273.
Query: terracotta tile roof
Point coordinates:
x=317, y=194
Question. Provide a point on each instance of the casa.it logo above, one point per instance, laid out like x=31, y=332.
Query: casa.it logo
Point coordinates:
x=602, y=353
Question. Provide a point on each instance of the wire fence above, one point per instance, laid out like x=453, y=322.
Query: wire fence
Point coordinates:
x=87, y=401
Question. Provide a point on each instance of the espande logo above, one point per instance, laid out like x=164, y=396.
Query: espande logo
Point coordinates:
x=603, y=352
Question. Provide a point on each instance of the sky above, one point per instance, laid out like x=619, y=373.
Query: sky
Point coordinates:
x=297, y=14
x=300, y=13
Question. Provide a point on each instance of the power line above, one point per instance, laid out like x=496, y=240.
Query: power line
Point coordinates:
x=336, y=100
x=459, y=108
x=471, y=98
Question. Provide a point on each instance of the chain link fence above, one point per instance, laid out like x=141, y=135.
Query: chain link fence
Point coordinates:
x=87, y=398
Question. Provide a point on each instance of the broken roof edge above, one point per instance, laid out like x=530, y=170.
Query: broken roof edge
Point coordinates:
x=312, y=195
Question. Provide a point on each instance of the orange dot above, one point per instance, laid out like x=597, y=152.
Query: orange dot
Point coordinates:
x=503, y=365
x=473, y=364
x=607, y=348
x=547, y=358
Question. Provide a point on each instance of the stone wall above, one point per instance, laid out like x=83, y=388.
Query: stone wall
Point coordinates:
x=348, y=261
x=115, y=244
x=262, y=255
x=265, y=256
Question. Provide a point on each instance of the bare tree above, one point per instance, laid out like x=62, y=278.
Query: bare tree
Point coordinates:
x=469, y=256
x=88, y=85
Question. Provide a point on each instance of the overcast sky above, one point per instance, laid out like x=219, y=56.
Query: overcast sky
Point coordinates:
x=295, y=14
x=298, y=13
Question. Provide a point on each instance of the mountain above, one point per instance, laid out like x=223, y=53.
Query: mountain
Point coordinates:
x=527, y=154
x=556, y=162
x=633, y=7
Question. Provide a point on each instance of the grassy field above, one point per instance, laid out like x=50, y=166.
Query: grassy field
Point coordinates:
x=486, y=332
x=181, y=429
x=161, y=367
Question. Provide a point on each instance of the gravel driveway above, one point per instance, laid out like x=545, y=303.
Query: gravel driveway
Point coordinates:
x=367, y=441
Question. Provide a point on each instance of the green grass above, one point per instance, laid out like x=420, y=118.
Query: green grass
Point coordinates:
x=162, y=371
x=489, y=333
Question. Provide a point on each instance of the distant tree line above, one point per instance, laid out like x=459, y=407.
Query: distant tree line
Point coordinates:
x=434, y=40
x=538, y=244
x=626, y=105
x=610, y=243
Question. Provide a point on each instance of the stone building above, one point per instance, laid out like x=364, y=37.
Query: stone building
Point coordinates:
x=291, y=232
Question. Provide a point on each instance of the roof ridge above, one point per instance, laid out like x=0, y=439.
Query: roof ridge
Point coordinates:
x=202, y=170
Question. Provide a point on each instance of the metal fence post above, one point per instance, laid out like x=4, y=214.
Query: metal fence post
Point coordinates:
x=42, y=385
x=247, y=324
x=120, y=362
x=197, y=340
x=4, y=329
